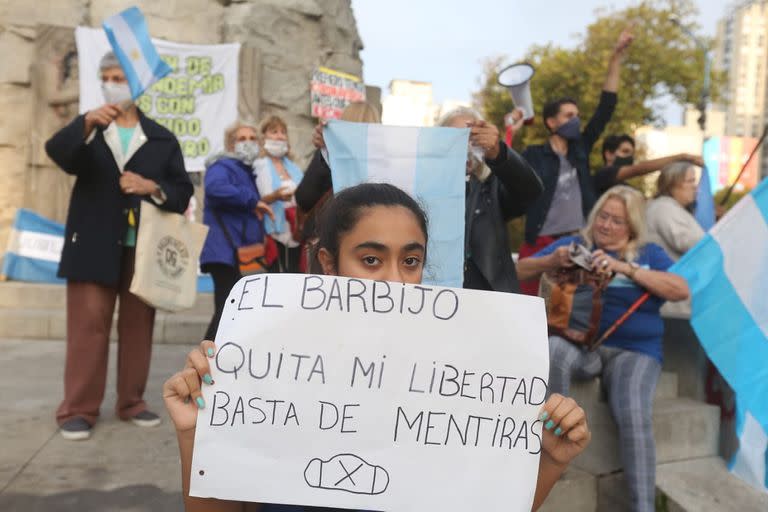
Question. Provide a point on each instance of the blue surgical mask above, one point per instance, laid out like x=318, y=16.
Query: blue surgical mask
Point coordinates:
x=570, y=130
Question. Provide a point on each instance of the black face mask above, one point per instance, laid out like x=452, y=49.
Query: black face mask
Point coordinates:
x=621, y=161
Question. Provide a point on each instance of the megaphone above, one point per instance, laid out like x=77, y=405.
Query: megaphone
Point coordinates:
x=517, y=79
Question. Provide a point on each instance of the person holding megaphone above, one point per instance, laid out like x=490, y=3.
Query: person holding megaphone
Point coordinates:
x=562, y=163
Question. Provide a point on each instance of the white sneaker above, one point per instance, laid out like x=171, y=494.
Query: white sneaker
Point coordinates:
x=75, y=429
x=146, y=419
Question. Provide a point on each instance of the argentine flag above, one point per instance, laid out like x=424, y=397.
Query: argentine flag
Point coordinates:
x=428, y=163
x=34, y=250
x=129, y=37
x=705, y=203
x=728, y=275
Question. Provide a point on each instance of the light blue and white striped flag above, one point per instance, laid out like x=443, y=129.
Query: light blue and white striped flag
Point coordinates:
x=129, y=37
x=34, y=249
x=705, y=202
x=428, y=163
x=728, y=275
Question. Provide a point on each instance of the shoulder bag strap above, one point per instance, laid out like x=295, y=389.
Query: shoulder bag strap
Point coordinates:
x=217, y=216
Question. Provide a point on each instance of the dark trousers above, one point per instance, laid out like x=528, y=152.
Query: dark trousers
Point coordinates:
x=288, y=259
x=224, y=278
x=90, y=307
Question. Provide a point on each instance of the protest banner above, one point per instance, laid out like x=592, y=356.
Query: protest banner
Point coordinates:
x=196, y=101
x=339, y=392
x=331, y=91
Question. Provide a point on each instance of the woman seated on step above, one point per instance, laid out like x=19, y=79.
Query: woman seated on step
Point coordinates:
x=370, y=231
x=629, y=361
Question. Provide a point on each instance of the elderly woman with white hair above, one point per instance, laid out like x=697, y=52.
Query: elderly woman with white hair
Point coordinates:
x=233, y=211
x=121, y=159
x=674, y=228
x=629, y=360
x=670, y=223
x=500, y=186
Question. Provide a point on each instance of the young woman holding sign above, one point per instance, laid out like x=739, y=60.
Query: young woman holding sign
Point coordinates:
x=378, y=232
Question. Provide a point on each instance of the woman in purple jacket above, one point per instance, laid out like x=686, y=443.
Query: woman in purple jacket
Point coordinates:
x=233, y=212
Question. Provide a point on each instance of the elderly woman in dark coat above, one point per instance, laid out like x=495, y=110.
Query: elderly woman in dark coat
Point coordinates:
x=120, y=158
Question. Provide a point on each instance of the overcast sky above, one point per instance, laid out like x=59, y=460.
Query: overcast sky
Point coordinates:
x=445, y=41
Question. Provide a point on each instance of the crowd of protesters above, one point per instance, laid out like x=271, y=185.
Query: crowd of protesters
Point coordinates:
x=257, y=197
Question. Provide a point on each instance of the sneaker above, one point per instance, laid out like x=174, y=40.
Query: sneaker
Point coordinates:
x=146, y=419
x=75, y=429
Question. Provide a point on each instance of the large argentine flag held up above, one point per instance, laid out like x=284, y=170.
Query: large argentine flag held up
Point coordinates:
x=128, y=34
x=728, y=275
x=428, y=163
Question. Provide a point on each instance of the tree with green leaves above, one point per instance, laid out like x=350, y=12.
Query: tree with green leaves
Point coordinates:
x=662, y=60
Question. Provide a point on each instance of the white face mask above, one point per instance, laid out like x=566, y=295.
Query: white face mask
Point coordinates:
x=115, y=93
x=276, y=148
x=247, y=150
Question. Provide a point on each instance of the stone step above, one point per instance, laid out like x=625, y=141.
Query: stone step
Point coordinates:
x=706, y=485
x=683, y=429
x=696, y=485
x=49, y=324
x=576, y=491
x=19, y=295
x=589, y=392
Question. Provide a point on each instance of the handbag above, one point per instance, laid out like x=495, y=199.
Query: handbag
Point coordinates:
x=250, y=259
x=168, y=247
x=574, y=299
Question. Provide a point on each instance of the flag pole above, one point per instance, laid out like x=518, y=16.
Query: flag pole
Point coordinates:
x=623, y=318
x=744, y=167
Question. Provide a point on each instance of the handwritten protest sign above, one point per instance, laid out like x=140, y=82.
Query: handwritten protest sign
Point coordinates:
x=196, y=101
x=331, y=91
x=373, y=396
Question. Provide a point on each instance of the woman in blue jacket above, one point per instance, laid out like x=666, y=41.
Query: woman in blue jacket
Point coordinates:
x=233, y=211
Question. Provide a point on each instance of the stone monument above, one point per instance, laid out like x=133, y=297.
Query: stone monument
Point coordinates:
x=283, y=41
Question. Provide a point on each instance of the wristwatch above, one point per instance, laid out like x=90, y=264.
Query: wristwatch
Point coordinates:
x=633, y=268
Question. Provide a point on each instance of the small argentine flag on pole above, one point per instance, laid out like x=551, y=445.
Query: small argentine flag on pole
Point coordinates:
x=128, y=34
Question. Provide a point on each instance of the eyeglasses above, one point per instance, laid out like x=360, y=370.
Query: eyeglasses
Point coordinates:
x=616, y=221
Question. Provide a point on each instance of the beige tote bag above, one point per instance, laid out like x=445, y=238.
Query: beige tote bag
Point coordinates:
x=167, y=253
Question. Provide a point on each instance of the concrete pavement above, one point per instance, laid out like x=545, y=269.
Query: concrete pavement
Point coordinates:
x=122, y=467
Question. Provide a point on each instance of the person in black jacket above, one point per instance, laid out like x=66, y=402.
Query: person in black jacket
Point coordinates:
x=316, y=184
x=562, y=163
x=120, y=158
x=500, y=186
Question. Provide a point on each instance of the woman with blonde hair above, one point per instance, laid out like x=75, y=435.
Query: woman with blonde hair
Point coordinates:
x=277, y=178
x=630, y=359
x=233, y=212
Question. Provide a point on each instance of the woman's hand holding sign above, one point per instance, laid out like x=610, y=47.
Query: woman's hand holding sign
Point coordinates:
x=182, y=394
x=565, y=435
x=566, y=432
